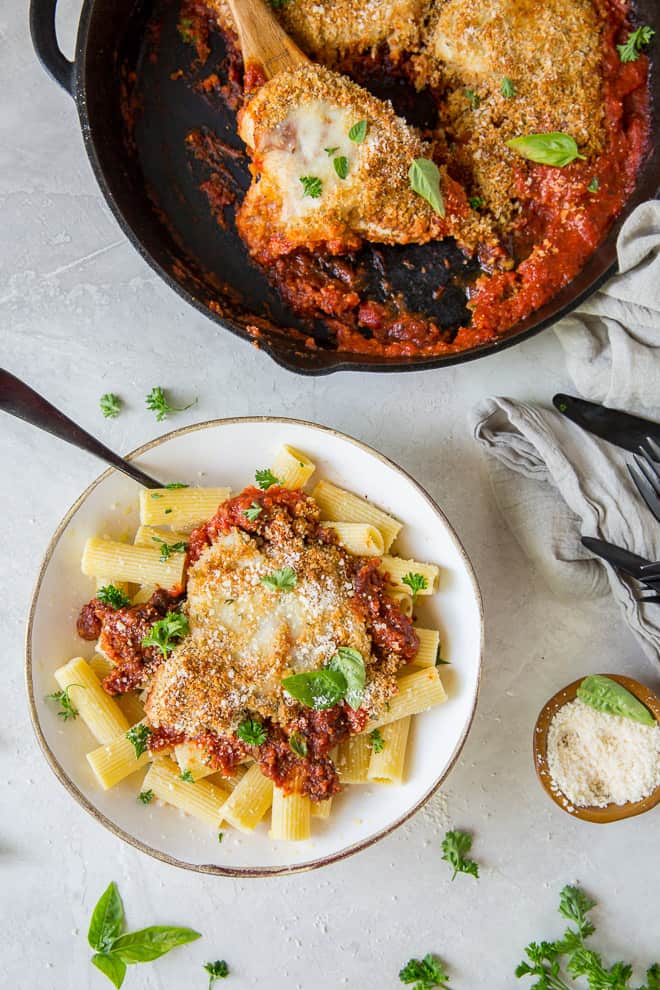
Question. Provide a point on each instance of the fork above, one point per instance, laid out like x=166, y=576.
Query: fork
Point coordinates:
x=645, y=474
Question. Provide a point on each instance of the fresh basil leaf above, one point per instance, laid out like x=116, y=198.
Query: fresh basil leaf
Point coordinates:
x=111, y=966
x=317, y=689
x=341, y=166
x=358, y=131
x=107, y=919
x=554, y=148
x=151, y=943
x=424, y=176
x=606, y=695
x=349, y=662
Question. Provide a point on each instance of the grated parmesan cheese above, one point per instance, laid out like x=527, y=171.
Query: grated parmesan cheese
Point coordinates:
x=596, y=759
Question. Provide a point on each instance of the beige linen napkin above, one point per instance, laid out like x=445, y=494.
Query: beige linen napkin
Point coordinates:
x=554, y=482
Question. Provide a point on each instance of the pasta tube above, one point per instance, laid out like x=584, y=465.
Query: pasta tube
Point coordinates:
x=249, y=801
x=338, y=505
x=361, y=539
x=180, y=508
x=201, y=800
x=101, y=714
x=352, y=759
x=125, y=562
x=417, y=692
x=292, y=468
x=115, y=760
x=290, y=817
x=397, y=568
x=429, y=644
x=386, y=764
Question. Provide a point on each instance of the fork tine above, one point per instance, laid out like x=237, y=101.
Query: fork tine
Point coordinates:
x=649, y=599
x=647, y=466
x=651, y=569
x=645, y=490
x=654, y=448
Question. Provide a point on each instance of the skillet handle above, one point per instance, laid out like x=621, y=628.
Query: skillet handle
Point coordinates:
x=44, y=39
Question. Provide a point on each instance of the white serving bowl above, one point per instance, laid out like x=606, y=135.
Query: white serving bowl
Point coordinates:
x=227, y=452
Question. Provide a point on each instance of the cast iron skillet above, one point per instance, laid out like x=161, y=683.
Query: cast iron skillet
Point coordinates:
x=152, y=186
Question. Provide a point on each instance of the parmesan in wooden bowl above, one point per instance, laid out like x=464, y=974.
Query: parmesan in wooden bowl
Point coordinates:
x=597, y=748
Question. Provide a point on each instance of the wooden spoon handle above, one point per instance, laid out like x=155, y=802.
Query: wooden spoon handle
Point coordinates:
x=18, y=399
x=263, y=40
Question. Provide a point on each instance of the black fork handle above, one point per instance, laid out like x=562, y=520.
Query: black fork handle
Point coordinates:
x=44, y=39
x=18, y=399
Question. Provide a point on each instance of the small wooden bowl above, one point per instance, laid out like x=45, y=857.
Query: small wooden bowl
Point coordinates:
x=612, y=812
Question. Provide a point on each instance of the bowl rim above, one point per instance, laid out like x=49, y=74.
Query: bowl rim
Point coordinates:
x=591, y=813
x=214, y=869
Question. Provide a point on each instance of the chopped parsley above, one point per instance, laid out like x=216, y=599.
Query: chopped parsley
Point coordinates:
x=67, y=710
x=341, y=166
x=177, y=484
x=254, y=511
x=594, y=185
x=158, y=402
x=283, y=580
x=221, y=836
x=187, y=776
x=376, y=740
x=265, y=479
x=219, y=969
x=110, y=405
x=138, y=736
x=167, y=512
x=416, y=583
x=507, y=88
x=424, y=973
x=167, y=549
x=312, y=186
x=146, y=797
x=252, y=732
x=473, y=98
x=185, y=29
x=358, y=131
x=298, y=744
x=331, y=151
x=277, y=4
x=631, y=49
x=476, y=202
x=161, y=634
x=455, y=847
x=109, y=594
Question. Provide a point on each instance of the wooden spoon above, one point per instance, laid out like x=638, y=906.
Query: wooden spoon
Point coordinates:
x=264, y=43
x=611, y=812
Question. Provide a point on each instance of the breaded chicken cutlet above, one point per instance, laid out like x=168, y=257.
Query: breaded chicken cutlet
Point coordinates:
x=317, y=185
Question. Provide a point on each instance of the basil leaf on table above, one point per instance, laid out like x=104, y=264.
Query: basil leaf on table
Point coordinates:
x=606, y=695
x=553, y=148
x=151, y=943
x=317, y=689
x=111, y=966
x=107, y=920
x=349, y=662
x=424, y=177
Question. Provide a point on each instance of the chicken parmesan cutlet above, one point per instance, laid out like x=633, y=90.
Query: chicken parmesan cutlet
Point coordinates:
x=331, y=167
x=276, y=616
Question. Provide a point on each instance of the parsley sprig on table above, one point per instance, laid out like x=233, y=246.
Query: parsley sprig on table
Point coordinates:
x=217, y=970
x=163, y=632
x=455, y=847
x=110, y=405
x=424, y=973
x=167, y=549
x=265, y=479
x=631, y=49
x=109, y=594
x=553, y=962
x=67, y=710
x=158, y=402
x=416, y=583
x=114, y=951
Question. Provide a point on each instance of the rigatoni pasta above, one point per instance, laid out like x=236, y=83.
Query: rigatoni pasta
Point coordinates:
x=263, y=588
